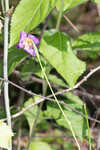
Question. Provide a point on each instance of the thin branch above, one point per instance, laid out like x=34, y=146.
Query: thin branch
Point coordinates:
x=25, y=109
x=52, y=100
x=48, y=97
x=80, y=82
x=57, y=93
x=72, y=25
x=90, y=97
x=35, y=79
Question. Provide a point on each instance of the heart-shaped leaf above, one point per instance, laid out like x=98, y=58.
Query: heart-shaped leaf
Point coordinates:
x=28, y=14
x=56, y=49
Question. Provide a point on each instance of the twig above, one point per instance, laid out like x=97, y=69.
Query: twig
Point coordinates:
x=57, y=93
x=24, y=109
x=80, y=82
x=72, y=25
x=52, y=100
x=49, y=97
x=35, y=79
x=90, y=97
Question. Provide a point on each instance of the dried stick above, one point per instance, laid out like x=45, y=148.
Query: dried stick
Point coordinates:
x=72, y=25
x=57, y=93
x=80, y=82
x=49, y=97
x=52, y=100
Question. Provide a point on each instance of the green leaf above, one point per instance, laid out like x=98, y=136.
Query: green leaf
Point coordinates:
x=88, y=42
x=33, y=67
x=55, y=80
x=38, y=145
x=68, y=4
x=74, y=101
x=28, y=14
x=77, y=121
x=56, y=49
x=97, y=1
x=15, y=57
x=5, y=135
x=31, y=113
x=29, y=68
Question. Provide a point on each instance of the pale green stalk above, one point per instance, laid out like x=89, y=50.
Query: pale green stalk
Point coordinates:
x=2, y=4
x=67, y=120
x=89, y=135
x=5, y=66
x=60, y=14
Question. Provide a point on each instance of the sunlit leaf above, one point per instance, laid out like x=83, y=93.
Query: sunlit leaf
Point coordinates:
x=98, y=2
x=27, y=15
x=38, y=145
x=88, y=42
x=56, y=49
x=32, y=112
x=77, y=121
x=5, y=135
x=68, y=4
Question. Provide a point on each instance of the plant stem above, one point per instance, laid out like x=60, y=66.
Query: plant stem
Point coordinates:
x=7, y=5
x=60, y=15
x=67, y=120
x=89, y=135
x=5, y=63
x=44, y=89
x=2, y=4
x=5, y=68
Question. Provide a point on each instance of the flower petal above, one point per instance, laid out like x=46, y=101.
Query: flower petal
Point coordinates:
x=23, y=36
x=34, y=38
x=30, y=51
x=20, y=45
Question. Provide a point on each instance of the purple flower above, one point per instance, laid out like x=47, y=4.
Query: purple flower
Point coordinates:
x=26, y=42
